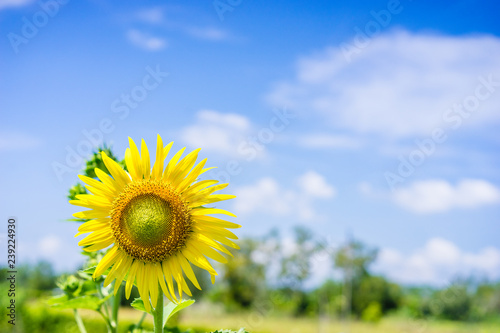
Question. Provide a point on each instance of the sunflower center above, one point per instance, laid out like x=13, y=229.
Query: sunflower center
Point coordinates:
x=150, y=221
x=147, y=219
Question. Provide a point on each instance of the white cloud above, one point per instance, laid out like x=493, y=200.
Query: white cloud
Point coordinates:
x=313, y=184
x=328, y=141
x=400, y=85
x=14, y=3
x=171, y=19
x=433, y=196
x=49, y=245
x=215, y=131
x=438, y=262
x=17, y=141
x=267, y=196
x=365, y=188
x=146, y=41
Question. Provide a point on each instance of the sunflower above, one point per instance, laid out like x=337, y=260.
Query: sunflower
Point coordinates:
x=155, y=222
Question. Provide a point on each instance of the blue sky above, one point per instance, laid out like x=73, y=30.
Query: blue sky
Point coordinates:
x=372, y=118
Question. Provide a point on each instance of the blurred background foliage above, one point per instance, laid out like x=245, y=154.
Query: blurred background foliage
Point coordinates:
x=246, y=285
x=268, y=276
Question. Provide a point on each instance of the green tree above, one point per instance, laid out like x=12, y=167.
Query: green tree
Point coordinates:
x=375, y=289
x=486, y=301
x=353, y=260
x=296, y=266
x=242, y=279
x=453, y=303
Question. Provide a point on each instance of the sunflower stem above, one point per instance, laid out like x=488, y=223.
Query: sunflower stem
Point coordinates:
x=108, y=322
x=79, y=321
x=117, y=299
x=158, y=312
x=101, y=294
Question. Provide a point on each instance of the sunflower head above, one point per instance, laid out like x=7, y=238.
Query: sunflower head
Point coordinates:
x=154, y=221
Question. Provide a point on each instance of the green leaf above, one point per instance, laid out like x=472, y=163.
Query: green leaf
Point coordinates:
x=138, y=304
x=91, y=270
x=89, y=287
x=171, y=308
x=83, y=302
x=168, y=311
x=77, y=220
x=83, y=275
x=57, y=299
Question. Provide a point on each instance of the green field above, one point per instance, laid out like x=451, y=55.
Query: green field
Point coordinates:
x=296, y=325
x=255, y=322
x=39, y=318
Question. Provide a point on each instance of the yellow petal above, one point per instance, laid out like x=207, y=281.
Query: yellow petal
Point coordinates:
x=142, y=285
x=146, y=162
x=209, y=252
x=210, y=220
x=168, y=277
x=181, y=283
x=172, y=164
x=161, y=279
x=192, y=176
x=99, y=192
x=209, y=230
x=119, y=175
x=111, y=275
x=225, y=241
x=135, y=161
x=198, y=259
x=97, y=184
x=129, y=162
x=183, y=167
x=167, y=148
x=206, y=169
x=188, y=270
x=123, y=269
x=206, y=192
x=107, y=180
x=99, y=245
x=152, y=282
x=207, y=241
x=211, y=199
x=175, y=273
x=96, y=236
x=205, y=211
x=92, y=214
x=106, y=261
x=192, y=190
x=99, y=201
x=131, y=278
x=94, y=225
x=158, y=165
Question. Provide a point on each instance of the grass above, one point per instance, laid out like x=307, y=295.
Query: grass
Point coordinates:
x=208, y=317
x=256, y=322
